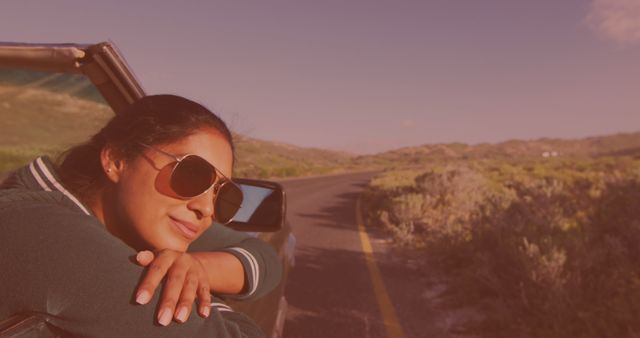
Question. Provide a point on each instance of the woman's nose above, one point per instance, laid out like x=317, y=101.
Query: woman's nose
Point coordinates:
x=202, y=204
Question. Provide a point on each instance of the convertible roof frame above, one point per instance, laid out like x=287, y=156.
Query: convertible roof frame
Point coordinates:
x=105, y=67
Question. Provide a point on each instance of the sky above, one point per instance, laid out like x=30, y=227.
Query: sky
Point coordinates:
x=366, y=76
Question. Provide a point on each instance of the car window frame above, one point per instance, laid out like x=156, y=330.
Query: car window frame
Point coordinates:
x=101, y=63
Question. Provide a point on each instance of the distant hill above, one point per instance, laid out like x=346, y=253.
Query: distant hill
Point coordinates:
x=258, y=158
x=44, y=113
x=76, y=85
x=36, y=120
x=609, y=145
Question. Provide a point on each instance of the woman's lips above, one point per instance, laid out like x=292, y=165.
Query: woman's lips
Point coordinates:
x=189, y=230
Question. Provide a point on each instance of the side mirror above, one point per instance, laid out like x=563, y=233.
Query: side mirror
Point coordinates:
x=263, y=207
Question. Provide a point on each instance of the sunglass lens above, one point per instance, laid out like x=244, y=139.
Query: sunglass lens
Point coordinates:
x=228, y=202
x=192, y=176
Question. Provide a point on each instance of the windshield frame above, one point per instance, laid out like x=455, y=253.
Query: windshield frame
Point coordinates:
x=102, y=63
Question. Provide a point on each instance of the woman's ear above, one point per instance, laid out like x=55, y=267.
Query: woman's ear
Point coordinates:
x=111, y=164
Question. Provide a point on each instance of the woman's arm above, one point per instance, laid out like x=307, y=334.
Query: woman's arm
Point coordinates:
x=188, y=276
x=261, y=266
x=225, y=271
x=68, y=267
x=244, y=267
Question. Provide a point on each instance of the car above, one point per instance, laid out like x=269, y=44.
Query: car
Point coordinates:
x=56, y=94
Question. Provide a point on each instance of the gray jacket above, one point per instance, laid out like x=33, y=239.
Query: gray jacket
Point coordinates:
x=60, y=262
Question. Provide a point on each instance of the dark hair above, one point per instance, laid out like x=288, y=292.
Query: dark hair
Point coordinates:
x=152, y=120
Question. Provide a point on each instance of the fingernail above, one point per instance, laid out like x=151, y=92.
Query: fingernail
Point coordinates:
x=206, y=311
x=143, y=297
x=182, y=315
x=141, y=255
x=165, y=317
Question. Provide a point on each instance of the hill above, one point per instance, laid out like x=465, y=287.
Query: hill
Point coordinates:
x=44, y=113
x=39, y=120
x=258, y=158
x=598, y=146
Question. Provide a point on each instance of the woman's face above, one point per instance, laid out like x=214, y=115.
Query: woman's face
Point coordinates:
x=148, y=213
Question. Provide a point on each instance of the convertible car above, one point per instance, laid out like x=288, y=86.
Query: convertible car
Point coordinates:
x=54, y=95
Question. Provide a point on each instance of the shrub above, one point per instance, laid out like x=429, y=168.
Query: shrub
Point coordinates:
x=540, y=249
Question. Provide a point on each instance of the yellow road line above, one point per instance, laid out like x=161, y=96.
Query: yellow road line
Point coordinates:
x=391, y=322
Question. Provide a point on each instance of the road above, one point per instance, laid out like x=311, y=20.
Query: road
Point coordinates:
x=330, y=290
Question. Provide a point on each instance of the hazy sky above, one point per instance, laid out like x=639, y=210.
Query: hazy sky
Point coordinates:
x=367, y=76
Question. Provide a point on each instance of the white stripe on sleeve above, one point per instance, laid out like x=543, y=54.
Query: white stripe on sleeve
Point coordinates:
x=221, y=307
x=59, y=186
x=255, y=273
x=39, y=179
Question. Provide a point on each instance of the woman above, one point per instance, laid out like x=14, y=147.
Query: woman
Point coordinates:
x=148, y=185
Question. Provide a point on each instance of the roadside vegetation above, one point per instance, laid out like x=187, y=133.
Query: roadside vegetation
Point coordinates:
x=541, y=247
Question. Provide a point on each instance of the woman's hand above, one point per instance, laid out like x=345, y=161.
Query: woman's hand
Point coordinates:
x=186, y=278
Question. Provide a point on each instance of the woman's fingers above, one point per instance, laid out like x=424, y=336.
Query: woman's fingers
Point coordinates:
x=171, y=292
x=145, y=257
x=156, y=270
x=204, y=296
x=185, y=279
x=187, y=297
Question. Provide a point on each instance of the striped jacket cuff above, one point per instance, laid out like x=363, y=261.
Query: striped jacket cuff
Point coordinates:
x=222, y=307
x=251, y=270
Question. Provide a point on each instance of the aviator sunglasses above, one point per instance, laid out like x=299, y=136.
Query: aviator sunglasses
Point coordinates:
x=192, y=176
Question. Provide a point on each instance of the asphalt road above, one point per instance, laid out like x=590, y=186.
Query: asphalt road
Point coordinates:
x=330, y=290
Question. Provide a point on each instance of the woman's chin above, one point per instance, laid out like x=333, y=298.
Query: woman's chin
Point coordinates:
x=169, y=237
x=171, y=242
x=173, y=245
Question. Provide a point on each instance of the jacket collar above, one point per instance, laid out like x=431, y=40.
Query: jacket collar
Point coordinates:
x=41, y=174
